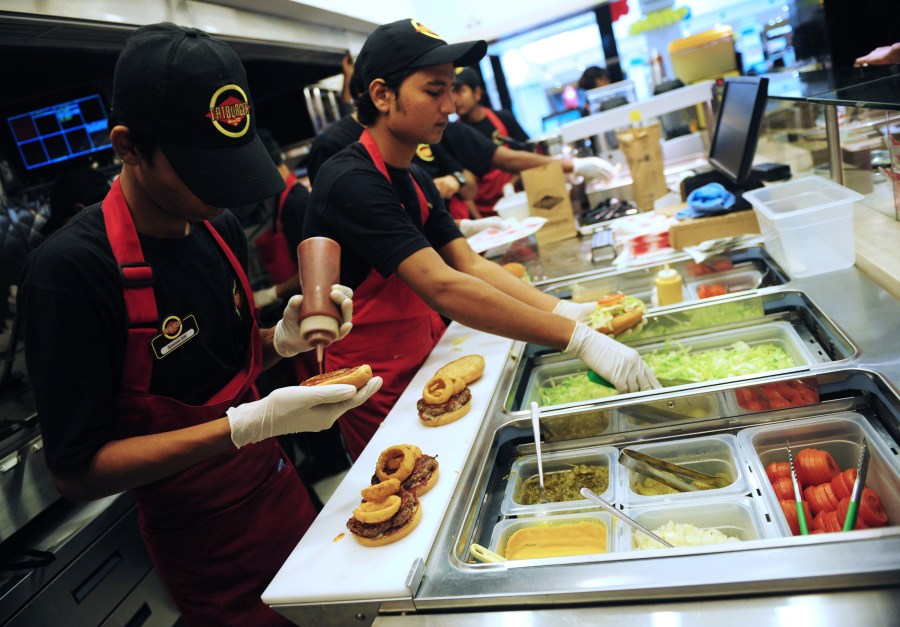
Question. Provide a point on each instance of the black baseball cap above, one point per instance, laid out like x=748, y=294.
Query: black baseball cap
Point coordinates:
x=468, y=76
x=408, y=45
x=190, y=91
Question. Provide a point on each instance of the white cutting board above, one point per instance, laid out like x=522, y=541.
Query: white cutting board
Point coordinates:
x=328, y=564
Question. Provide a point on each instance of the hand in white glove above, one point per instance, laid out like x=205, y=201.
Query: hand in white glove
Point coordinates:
x=295, y=409
x=289, y=342
x=594, y=168
x=265, y=297
x=620, y=365
x=579, y=312
x=470, y=227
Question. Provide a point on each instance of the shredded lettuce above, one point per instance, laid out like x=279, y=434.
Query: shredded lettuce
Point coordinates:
x=572, y=389
x=678, y=362
x=602, y=316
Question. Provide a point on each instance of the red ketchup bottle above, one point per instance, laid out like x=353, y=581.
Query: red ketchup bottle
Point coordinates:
x=319, y=259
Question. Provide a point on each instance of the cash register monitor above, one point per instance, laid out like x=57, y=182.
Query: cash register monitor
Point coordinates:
x=56, y=133
x=737, y=128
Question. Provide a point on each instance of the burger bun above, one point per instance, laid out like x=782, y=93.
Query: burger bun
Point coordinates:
x=401, y=533
x=357, y=377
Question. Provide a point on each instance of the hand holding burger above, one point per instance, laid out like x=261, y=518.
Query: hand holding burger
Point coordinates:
x=618, y=314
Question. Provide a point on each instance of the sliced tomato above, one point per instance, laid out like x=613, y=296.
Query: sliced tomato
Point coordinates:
x=842, y=484
x=807, y=394
x=814, y=467
x=789, y=509
x=871, y=509
x=842, y=508
x=610, y=299
x=778, y=470
x=776, y=400
x=825, y=488
x=784, y=489
x=721, y=264
x=830, y=522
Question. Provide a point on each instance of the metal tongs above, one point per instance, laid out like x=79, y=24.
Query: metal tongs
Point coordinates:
x=862, y=469
x=668, y=473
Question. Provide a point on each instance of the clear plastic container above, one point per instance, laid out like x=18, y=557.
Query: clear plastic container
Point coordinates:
x=526, y=467
x=738, y=518
x=733, y=282
x=839, y=434
x=779, y=332
x=711, y=455
x=807, y=224
x=505, y=529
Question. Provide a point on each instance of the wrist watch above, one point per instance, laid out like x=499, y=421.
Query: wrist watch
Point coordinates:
x=460, y=178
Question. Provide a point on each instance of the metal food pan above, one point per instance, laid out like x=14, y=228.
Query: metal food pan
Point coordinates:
x=736, y=517
x=526, y=467
x=839, y=434
x=778, y=332
x=711, y=455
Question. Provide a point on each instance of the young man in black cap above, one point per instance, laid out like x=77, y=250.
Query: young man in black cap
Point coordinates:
x=141, y=341
x=399, y=244
x=500, y=127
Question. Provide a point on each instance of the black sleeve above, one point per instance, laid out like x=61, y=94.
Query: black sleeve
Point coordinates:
x=512, y=125
x=471, y=149
x=446, y=162
x=293, y=214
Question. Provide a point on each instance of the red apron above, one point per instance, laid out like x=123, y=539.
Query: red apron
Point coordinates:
x=219, y=530
x=272, y=246
x=490, y=186
x=393, y=331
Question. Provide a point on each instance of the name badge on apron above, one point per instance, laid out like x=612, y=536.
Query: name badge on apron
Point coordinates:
x=176, y=332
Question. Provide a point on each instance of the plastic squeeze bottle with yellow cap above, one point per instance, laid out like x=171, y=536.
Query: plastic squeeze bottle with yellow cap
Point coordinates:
x=668, y=287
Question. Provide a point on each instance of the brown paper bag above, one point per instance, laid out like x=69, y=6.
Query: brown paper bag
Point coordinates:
x=645, y=161
x=545, y=187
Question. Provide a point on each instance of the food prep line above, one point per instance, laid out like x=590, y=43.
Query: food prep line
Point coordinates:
x=330, y=579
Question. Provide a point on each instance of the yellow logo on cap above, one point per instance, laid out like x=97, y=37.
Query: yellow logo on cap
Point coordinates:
x=421, y=28
x=423, y=152
x=229, y=106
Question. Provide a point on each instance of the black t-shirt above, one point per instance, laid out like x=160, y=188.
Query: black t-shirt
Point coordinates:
x=436, y=161
x=469, y=147
x=377, y=222
x=70, y=299
x=293, y=214
x=487, y=128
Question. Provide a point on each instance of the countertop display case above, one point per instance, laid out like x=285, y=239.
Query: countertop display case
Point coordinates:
x=841, y=388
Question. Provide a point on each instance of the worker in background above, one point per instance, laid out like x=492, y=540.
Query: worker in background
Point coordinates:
x=141, y=344
x=401, y=249
x=500, y=127
x=593, y=77
x=278, y=248
x=883, y=55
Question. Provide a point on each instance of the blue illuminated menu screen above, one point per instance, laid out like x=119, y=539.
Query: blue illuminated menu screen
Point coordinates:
x=60, y=132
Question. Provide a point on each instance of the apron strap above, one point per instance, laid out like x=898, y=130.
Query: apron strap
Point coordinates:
x=289, y=182
x=496, y=122
x=372, y=148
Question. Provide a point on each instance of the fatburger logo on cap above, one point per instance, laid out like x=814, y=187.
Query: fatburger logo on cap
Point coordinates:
x=421, y=28
x=229, y=111
x=423, y=152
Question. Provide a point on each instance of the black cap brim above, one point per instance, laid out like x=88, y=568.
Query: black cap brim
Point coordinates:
x=226, y=177
x=464, y=53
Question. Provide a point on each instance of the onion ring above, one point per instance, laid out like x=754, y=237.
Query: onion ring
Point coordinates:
x=380, y=491
x=441, y=388
x=395, y=462
x=376, y=512
x=412, y=448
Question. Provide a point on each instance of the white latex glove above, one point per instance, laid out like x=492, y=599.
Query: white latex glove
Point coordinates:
x=620, y=365
x=288, y=341
x=264, y=298
x=295, y=409
x=470, y=227
x=594, y=168
x=579, y=312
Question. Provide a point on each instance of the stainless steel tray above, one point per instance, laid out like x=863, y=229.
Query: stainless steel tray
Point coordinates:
x=778, y=332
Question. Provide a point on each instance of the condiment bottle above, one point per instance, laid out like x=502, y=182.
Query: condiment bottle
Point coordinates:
x=668, y=287
x=319, y=259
